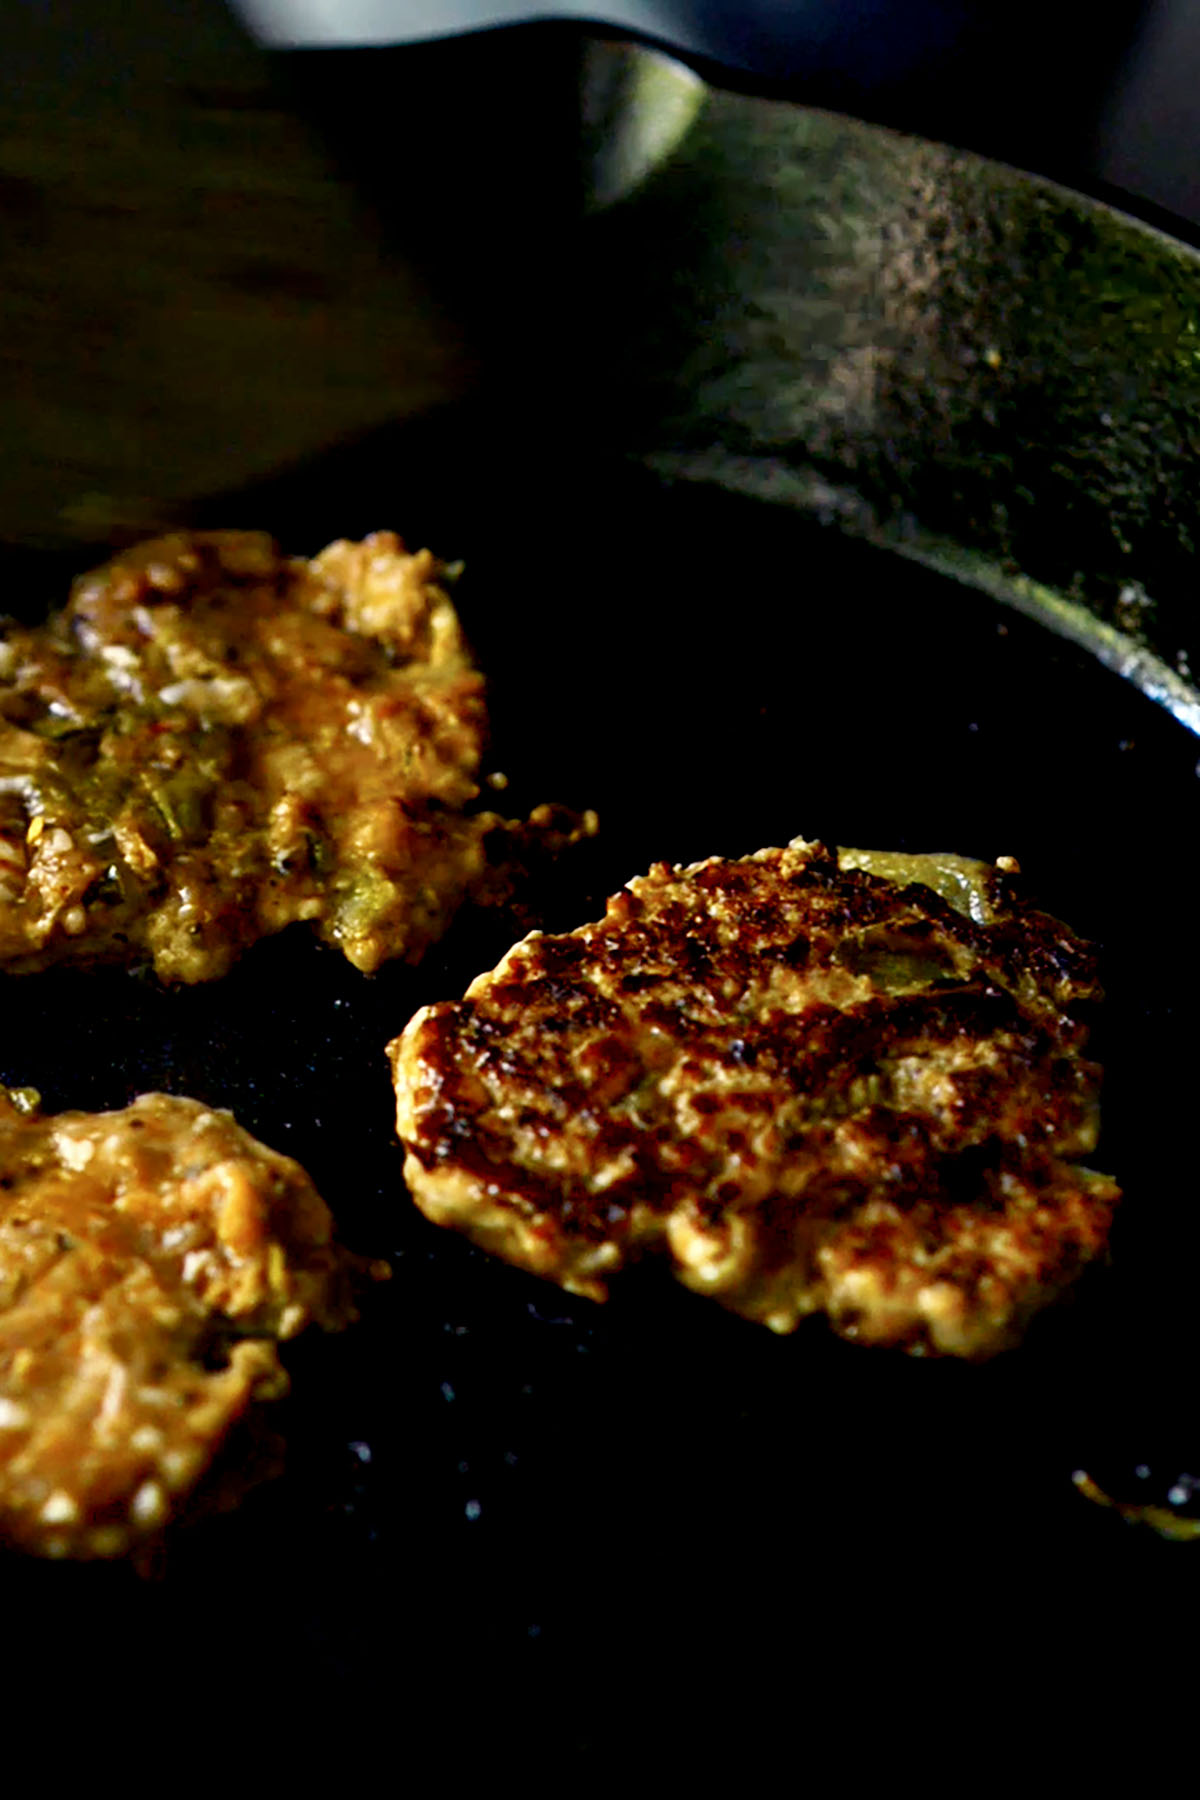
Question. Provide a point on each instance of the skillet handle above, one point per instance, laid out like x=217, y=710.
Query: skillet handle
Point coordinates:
x=1109, y=109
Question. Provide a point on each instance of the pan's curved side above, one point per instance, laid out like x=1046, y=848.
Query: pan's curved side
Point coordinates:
x=973, y=366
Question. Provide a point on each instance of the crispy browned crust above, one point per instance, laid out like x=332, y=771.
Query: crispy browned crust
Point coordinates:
x=214, y=740
x=149, y=1261
x=855, y=1088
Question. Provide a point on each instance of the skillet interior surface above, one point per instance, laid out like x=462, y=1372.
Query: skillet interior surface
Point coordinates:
x=492, y=1478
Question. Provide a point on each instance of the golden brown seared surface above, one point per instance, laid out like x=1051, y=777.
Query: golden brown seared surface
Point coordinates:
x=148, y=1260
x=213, y=740
x=854, y=1086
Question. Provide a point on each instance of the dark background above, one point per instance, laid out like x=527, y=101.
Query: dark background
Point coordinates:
x=215, y=260
x=1104, y=95
x=1088, y=95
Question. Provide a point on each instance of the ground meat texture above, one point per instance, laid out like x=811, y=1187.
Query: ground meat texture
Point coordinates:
x=149, y=1260
x=852, y=1084
x=213, y=740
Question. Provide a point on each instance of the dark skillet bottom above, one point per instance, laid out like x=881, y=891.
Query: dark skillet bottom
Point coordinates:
x=500, y=1496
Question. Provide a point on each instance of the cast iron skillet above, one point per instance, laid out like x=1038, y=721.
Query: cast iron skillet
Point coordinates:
x=489, y=1469
x=503, y=1503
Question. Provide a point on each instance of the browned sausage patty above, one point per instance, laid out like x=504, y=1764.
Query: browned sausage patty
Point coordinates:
x=213, y=740
x=847, y=1084
x=149, y=1259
